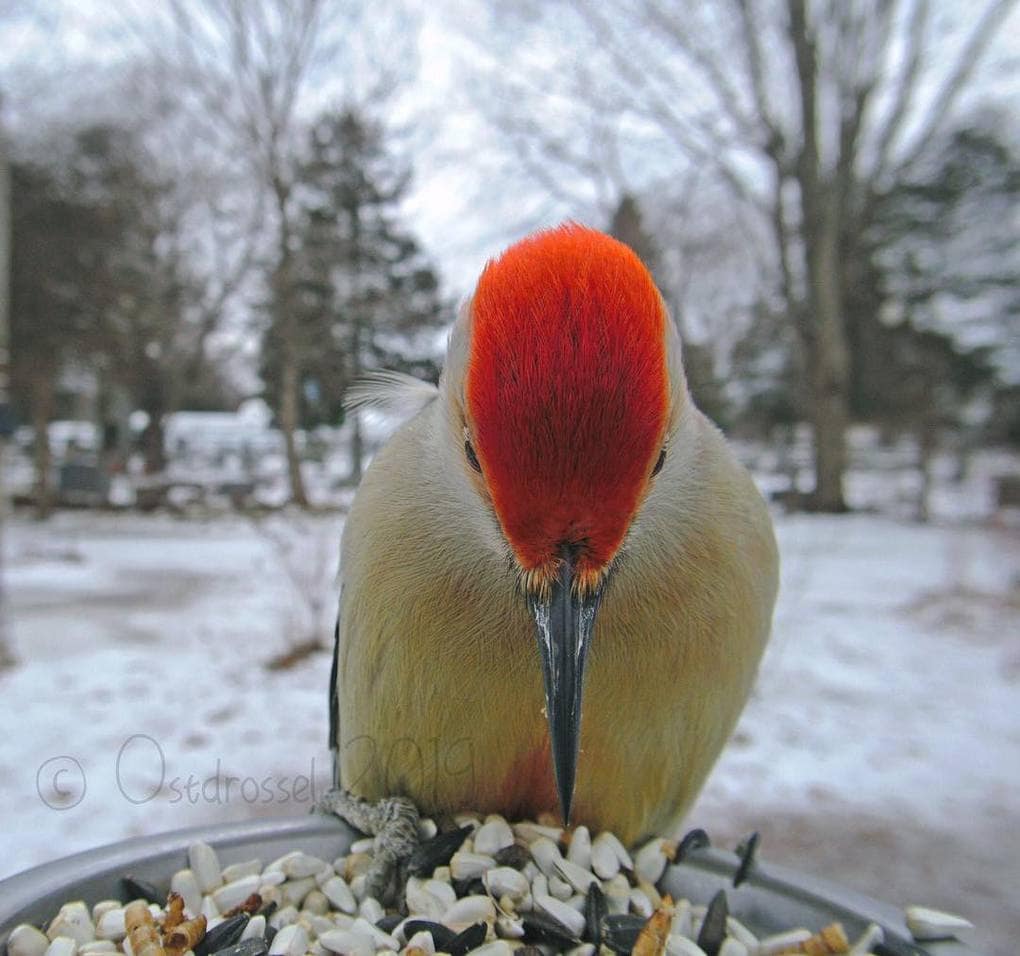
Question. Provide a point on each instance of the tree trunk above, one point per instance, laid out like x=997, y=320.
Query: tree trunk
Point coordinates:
x=963, y=451
x=42, y=412
x=829, y=422
x=357, y=449
x=785, y=438
x=357, y=439
x=290, y=372
x=153, y=442
x=830, y=373
x=822, y=329
x=288, y=425
x=927, y=444
x=357, y=442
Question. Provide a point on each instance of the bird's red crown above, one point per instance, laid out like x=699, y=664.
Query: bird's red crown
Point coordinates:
x=567, y=394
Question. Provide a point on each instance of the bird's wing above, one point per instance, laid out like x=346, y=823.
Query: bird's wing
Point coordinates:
x=404, y=395
x=390, y=391
x=334, y=701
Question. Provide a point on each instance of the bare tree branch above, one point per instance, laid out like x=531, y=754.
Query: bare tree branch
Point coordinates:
x=905, y=90
x=717, y=76
x=694, y=136
x=956, y=79
x=749, y=33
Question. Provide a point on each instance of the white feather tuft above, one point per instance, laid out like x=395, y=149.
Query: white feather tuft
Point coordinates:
x=390, y=391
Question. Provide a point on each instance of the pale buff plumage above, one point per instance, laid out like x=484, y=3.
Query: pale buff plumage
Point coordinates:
x=440, y=684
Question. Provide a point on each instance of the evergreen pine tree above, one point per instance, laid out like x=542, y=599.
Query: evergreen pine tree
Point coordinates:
x=366, y=295
x=939, y=261
x=626, y=225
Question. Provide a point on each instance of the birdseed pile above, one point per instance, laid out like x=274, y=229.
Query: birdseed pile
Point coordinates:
x=487, y=888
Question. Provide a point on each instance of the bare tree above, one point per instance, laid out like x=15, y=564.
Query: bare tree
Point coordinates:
x=809, y=112
x=247, y=71
x=214, y=219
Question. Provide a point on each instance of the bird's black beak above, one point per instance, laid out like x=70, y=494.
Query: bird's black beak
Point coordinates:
x=564, y=622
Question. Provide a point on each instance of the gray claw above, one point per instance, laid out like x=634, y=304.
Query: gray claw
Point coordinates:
x=393, y=821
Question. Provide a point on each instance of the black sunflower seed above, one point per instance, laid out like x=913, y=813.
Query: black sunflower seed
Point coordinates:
x=595, y=910
x=135, y=888
x=222, y=935
x=441, y=935
x=713, y=928
x=389, y=922
x=620, y=931
x=469, y=887
x=540, y=927
x=696, y=839
x=466, y=940
x=437, y=851
x=268, y=908
x=892, y=946
x=247, y=947
x=746, y=851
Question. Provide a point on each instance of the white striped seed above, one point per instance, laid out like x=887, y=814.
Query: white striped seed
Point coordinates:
x=468, y=910
x=292, y=940
x=255, y=928
x=579, y=851
x=604, y=860
x=74, y=921
x=493, y=835
x=237, y=871
x=62, y=946
x=925, y=923
x=470, y=866
x=233, y=894
x=183, y=883
x=347, y=943
x=26, y=940
x=776, y=943
x=563, y=912
x=205, y=864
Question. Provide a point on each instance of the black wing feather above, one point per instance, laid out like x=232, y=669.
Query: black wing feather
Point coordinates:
x=334, y=705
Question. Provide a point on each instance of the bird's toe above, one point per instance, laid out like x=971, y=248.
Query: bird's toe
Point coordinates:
x=393, y=821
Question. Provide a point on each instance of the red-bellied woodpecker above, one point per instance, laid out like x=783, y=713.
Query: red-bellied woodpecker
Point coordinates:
x=559, y=524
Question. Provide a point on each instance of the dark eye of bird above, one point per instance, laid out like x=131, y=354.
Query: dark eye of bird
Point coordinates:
x=472, y=457
x=660, y=461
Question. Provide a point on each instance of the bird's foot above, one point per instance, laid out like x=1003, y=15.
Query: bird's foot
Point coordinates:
x=393, y=821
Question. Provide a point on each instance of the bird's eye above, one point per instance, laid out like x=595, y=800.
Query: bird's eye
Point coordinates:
x=471, y=456
x=659, y=462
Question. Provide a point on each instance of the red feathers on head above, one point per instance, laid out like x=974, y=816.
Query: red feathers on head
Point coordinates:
x=567, y=391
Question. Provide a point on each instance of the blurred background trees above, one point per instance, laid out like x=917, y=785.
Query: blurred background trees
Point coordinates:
x=266, y=199
x=364, y=296
x=246, y=68
x=810, y=115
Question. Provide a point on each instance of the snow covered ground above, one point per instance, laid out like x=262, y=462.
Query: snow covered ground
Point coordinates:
x=881, y=747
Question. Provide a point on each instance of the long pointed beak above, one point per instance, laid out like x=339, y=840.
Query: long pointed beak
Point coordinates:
x=564, y=624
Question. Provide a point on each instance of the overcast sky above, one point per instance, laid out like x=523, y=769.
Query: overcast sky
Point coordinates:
x=55, y=55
